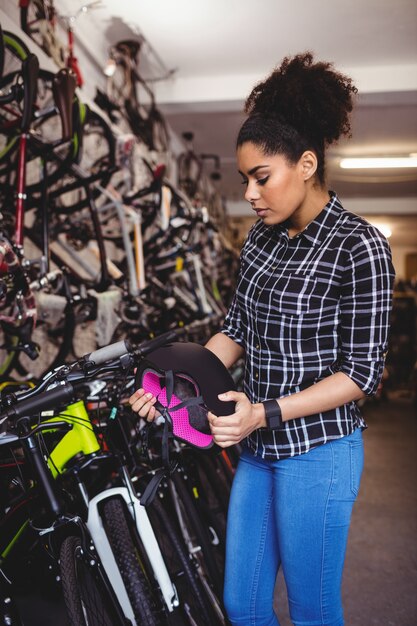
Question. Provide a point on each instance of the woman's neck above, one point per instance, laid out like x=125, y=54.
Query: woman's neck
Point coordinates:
x=315, y=201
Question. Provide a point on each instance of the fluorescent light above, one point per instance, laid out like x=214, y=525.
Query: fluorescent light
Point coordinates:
x=385, y=229
x=378, y=162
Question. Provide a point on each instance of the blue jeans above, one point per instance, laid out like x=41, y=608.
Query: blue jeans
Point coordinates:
x=295, y=514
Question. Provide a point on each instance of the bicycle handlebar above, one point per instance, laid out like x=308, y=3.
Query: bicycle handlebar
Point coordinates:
x=37, y=400
x=108, y=353
x=62, y=394
x=118, y=349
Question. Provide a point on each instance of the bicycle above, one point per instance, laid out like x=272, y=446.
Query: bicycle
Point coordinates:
x=38, y=19
x=80, y=438
x=101, y=169
x=131, y=93
x=109, y=512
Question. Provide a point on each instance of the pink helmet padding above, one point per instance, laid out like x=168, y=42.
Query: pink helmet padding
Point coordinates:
x=181, y=426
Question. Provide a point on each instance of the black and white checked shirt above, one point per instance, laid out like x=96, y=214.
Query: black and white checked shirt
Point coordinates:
x=306, y=307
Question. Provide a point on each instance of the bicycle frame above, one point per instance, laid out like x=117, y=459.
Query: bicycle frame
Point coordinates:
x=134, y=259
x=82, y=439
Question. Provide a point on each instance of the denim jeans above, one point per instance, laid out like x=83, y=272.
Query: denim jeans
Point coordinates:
x=295, y=514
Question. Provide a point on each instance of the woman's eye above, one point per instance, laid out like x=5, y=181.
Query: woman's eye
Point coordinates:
x=244, y=182
x=262, y=181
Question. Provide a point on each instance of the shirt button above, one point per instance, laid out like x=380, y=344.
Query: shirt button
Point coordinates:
x=257, y=346
x=256, y=375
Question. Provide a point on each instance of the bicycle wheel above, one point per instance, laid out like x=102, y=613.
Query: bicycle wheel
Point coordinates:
x=15, y=51
x=54, y=341
x=189, y=173
x=213, y=489
x=17, y=307
x=96, y=156
x=195, y=604
x=46, y=127
x=86, y=595
x=48, y=130
x=201, y=531
x=129, y=562
x=53, y=335
x=32, y=18
x=98, y=151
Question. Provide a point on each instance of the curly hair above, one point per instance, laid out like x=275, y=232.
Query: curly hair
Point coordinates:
x=301, y=105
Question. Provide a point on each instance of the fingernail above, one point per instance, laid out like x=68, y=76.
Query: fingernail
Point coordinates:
x=223, y=395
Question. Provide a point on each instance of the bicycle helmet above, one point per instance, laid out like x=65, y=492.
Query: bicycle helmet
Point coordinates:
x=186, y=378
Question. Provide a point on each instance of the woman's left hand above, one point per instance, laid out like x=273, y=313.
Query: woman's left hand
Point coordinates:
x=230, y=429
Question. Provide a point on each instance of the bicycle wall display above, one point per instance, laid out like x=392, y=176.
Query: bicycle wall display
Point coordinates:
x=100, y=243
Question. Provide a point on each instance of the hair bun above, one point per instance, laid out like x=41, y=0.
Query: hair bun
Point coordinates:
x=312, y=97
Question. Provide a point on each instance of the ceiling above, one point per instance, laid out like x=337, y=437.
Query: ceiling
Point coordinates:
x=206, y=55
x=220, y=48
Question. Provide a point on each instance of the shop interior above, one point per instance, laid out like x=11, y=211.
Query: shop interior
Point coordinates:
x=128, y=224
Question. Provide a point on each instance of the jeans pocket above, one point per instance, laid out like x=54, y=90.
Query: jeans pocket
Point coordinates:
x=356, y=465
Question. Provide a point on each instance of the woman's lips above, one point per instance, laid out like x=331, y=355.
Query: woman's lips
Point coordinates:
x=261, y=212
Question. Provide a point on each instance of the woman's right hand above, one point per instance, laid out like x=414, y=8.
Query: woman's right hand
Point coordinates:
x=143, y=404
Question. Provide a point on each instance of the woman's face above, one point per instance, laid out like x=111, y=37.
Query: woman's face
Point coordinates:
x=275, y=188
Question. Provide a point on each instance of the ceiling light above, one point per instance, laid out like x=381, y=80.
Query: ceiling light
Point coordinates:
x=378, y=162
x=110, y=68
x=383, y=228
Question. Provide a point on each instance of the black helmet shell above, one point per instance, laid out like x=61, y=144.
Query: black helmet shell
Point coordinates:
x=200, y=364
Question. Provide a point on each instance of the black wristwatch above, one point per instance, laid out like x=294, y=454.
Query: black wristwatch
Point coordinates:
x=272, y=414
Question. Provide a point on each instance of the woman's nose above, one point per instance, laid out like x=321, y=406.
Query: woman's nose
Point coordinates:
x=251, y=193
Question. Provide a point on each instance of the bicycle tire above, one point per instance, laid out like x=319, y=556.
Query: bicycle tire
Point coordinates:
x=15, y=51
x=17, y=305
x=202, y=533
x=192, y=596
x=55, y=344
x=47, y=128
x=98, y=148
x=96, y=156
x=8, y=356
x=30, y=14
x=189, y=169
x=218, y=475
x=86, y=596
x=129, y=563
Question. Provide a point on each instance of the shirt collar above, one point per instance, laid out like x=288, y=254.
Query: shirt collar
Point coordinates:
x=317, y=230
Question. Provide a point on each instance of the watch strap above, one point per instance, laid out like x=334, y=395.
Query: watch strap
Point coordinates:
x=273, y=414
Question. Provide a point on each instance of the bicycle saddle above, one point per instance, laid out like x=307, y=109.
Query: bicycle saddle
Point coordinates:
x=30, y=71
x=63, y=89
x=129, y=46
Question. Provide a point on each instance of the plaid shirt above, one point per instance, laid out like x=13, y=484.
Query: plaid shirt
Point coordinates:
x=306, y=307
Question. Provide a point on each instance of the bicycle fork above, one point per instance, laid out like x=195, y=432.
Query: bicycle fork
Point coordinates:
x=147, y=536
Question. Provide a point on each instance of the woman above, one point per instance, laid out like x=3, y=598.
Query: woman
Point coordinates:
x=310, y=316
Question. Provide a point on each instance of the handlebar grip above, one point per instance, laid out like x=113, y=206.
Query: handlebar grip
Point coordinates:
x=107, y=353
x=152, y=344
x=62, y=394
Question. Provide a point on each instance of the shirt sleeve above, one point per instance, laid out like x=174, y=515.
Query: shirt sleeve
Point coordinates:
x=232, y=325
x=366, y=302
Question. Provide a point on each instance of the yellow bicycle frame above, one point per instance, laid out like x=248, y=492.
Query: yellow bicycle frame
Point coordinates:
x=81, y=437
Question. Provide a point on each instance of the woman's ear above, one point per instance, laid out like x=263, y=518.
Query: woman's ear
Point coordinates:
x=308, y=163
